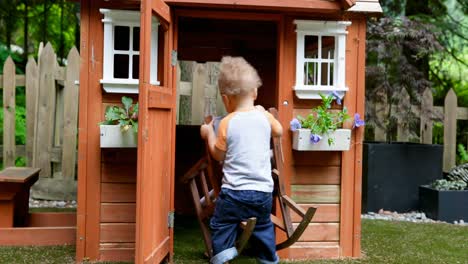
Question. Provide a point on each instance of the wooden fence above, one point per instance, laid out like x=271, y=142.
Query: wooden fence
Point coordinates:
x=197, y=91
x=427, y=112
x=51, y=121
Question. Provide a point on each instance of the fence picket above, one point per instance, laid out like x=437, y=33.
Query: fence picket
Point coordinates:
x=200, y=76
x=381, y=110
x=9, y=109
x=178, y=92
x=403, y=122
x=450, y=130
x=45, y=112
x=426, y=120
x=70, y=113
x=32, y=84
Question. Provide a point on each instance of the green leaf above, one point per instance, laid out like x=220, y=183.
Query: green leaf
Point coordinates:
x=127, y=102
x=112, y=113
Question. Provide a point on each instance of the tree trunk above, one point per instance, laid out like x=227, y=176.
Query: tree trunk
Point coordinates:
x=26, y=20
x=44, y=29
x=61, y=41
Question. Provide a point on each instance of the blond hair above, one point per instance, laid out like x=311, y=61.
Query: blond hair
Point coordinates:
x=237, y=76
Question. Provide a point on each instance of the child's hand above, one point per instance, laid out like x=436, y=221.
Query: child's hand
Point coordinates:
x=260, y=108
x=206, y=129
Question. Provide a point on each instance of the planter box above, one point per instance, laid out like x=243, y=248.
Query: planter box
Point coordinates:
x=113, y=137
x=393, y=172
x=444, y=205
x=342, y=140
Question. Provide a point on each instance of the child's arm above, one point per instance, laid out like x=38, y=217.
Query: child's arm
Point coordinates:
x=208, y=134
x=276, y=128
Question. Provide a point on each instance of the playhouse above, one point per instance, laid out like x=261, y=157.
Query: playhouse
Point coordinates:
x=301, y=48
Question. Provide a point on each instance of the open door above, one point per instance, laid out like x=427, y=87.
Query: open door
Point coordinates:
x=155, y=135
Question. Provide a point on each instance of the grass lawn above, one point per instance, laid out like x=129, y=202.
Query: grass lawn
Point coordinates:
x=382, y=242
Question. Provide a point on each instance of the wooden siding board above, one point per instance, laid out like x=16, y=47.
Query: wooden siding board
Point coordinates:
x=117, y=254
x=315, y=250
x=320, y=232
x=317, y=158
x=325, y=213
x=118, y=212
x=118, y=173
x=310, y=175
x=118, y=193
x=316, y=193
x=117, y=233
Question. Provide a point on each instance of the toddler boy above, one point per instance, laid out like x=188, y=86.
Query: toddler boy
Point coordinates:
x=243, y=143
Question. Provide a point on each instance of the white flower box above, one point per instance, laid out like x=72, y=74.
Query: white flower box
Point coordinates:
x=113, y=137
x=342, y=140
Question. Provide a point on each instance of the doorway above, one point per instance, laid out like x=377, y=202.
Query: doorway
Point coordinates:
x=202, y=42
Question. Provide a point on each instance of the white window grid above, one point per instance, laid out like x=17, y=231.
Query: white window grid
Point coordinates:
x=129, y=52
x=131, y=19
x=318, y=61
x=311, y=89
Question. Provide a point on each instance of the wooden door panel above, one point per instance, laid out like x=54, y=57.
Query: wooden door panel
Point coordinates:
x=155, y=138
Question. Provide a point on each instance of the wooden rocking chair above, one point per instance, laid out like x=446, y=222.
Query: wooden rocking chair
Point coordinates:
x=205, y=177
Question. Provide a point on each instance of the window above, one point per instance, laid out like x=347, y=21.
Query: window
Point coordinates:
x=320, y=58
x=121, y=63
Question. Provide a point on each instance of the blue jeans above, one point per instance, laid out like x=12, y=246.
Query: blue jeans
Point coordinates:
x=232, y=207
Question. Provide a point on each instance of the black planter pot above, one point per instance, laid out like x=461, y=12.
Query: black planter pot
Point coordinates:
x=393, y=172
x=444, y=205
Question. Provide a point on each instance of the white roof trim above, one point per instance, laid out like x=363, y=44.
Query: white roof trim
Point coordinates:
x=366, y=6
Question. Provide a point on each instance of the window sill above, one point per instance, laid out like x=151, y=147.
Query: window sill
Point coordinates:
x=307, y=92
x=120, y=86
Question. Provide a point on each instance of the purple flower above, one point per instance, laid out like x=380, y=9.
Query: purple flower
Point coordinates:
x=337, y=97
x=295, y=124
x=314, y=138
x=358, y=122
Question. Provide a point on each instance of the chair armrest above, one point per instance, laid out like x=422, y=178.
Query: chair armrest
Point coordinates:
x=194, y=170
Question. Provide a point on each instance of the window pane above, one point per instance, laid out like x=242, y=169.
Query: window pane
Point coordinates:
x=327, y=74
x=328, y=47
x=310, y=73
x=121, y=38
x=136, y=39
x=121, y=66
x=311, y=47
x=332, y=73
x=136, y=66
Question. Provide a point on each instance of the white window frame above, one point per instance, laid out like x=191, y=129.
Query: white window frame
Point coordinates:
x=131, y=19
x=319, y=29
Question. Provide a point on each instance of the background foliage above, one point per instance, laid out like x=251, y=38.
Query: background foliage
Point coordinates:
x=23, y=25
x=415, y=45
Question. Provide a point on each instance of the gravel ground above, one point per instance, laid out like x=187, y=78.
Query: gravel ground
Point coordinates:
x=33, y=203
x=415, y=217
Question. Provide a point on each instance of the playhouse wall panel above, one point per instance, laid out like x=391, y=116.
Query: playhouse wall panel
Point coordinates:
x=118, y=193
x=325, y=213
x=118, y=173
x=315, y=250
x=307, y=175
x=315, y=193
x=321, y=232
x=117, y=254
x=118, y=212
x=117, y=232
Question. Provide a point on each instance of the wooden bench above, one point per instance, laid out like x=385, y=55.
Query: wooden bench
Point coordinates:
x=15, y=183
